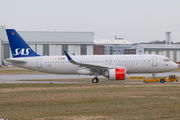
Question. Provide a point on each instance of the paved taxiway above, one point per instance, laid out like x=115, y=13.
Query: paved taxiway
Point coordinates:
x=16, y=78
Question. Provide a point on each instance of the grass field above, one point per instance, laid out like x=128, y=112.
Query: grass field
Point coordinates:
x=90, y=101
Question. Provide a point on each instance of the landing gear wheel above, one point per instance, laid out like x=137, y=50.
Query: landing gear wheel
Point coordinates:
x=95, y=80
x=162, y=80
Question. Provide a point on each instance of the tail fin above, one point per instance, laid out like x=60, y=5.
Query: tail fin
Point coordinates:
x=19, y=47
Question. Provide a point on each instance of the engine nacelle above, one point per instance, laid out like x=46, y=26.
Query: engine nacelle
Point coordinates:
x=116, y=74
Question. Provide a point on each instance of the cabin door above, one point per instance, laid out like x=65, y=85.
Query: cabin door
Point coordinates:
x=39, y=62
x=154, y=61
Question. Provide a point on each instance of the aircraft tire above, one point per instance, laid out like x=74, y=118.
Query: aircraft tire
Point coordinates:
x=95, y=80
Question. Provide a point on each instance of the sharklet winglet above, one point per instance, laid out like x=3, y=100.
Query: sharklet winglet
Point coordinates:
x=69, y=58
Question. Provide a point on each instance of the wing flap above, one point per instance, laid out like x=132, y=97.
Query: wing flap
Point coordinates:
x=97, y=67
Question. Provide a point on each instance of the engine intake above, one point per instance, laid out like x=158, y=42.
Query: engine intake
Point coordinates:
x=116, y=74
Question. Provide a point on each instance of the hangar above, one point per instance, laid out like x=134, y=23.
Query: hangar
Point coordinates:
x=171, y=51
x=50, y=42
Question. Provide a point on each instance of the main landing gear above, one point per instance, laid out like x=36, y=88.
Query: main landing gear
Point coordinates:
x=95, y=80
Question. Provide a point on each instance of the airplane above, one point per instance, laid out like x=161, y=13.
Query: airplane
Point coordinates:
x=113, y=67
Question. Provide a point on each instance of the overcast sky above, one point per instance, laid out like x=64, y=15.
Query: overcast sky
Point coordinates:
x=134, y=20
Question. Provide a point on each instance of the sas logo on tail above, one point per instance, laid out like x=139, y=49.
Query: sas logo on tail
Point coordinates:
x=21, y=52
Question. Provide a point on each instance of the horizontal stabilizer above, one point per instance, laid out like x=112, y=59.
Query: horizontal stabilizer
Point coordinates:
x=13, y=61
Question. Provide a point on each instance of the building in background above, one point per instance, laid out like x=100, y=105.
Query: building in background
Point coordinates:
x=111, y=47
x=166, y=48
x=82, y=43
x=50, y=43
x=171, y=51
x=99, y=49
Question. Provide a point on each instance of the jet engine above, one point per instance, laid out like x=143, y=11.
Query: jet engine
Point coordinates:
x=116, y=74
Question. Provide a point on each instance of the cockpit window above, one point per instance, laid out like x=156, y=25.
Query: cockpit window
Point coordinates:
x=166, y=60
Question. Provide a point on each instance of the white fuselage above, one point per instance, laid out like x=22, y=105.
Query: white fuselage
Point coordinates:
x=132, y=63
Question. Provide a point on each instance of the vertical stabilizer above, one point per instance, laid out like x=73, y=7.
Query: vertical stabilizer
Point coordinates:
x=19, y=47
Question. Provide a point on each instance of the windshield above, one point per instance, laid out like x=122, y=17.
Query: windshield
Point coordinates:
x=167, y=60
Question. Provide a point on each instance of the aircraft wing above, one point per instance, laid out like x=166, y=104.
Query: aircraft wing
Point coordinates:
x=92, y=67
x=14, y=61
